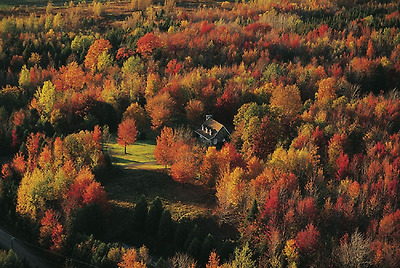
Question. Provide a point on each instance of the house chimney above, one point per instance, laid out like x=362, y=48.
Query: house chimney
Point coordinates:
x=202, y=127
x=208, y=116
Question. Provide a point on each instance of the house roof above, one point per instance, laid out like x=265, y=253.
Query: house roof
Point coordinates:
x=210, y=123
x=215, y=125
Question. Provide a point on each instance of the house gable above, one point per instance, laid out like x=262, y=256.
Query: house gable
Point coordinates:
x=212, y=131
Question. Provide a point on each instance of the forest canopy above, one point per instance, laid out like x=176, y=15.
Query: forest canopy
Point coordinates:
x=308, y=177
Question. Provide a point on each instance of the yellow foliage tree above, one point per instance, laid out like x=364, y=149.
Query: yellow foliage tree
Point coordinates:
x=33, y=193
x=326, y=91
x=287, y=98
x=137, y=113
x=231, y=189
x=45, y=98
x=291, y=253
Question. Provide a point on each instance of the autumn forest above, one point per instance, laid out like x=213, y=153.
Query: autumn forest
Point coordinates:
x=104, y=111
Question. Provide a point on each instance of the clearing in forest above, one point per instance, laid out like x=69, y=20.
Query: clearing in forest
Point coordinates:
x=139, y=173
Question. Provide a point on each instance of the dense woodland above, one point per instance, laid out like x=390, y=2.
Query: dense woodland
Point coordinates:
x=309, y=178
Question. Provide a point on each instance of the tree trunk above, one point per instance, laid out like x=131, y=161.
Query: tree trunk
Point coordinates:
x=125, y=148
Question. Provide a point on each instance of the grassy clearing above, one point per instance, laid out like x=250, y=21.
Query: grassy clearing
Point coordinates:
x=140, y=153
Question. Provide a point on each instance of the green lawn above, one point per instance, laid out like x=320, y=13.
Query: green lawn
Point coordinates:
x=138, y=154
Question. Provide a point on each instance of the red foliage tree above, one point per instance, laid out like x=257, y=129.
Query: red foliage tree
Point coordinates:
x=228, y=103
x=127, y=132
x=307, y=209
x=173, y=67
x=271, y=205
x=51, y=232
x=124, y=53
x=342, y=166
x=97, y=136
x=147, y=44
x=95, y=194
x=14, y=138
x=206, y=27
x=85, y=191
x=266, y=138
x=308, y=240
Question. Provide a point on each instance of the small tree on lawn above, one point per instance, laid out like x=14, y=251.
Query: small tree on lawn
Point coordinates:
x=127, y=132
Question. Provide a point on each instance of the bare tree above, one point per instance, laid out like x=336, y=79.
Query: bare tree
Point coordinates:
x=181, y=260
x=354, y=253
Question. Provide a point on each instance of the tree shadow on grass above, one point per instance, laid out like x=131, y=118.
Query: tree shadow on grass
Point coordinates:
x=120, y=160
x=128, y=187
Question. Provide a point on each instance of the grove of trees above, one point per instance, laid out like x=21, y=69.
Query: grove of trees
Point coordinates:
x=308, y=178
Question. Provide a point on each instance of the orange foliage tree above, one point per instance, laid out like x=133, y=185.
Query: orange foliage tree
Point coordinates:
x=160, y=108
x=186, y=163
x=163, y=151
x=84, y=191
x=213, y=260
x=95, y=51
x=70, y=76
x=127, y=133
x=130, y=259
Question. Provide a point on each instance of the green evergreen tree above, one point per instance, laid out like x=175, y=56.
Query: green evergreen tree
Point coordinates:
x=140, y=214
x=207, y=246
x=194, y=248
x=166, y=227
x=253, y=212
x=161, y=263
x=154, y=216
x=194, y=233
x=181, y=234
